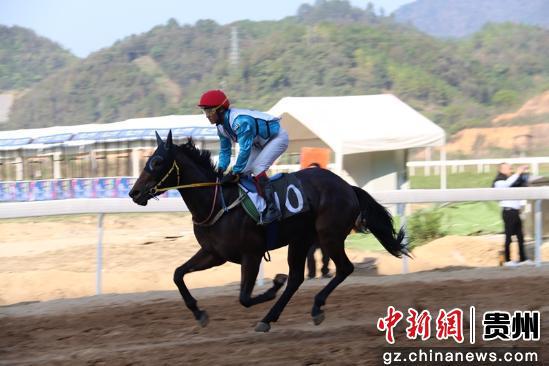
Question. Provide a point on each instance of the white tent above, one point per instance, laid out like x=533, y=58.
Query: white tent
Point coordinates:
x=369, y=134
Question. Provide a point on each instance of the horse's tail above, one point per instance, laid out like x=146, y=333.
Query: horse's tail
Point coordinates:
x=376, y=219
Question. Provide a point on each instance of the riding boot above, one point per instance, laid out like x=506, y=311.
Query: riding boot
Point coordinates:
x=271, y=212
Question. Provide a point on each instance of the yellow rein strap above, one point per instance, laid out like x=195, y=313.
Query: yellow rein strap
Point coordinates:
x=192, y=185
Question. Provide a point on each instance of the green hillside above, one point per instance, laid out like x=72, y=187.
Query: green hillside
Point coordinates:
x=326, y=49
x=26, y=59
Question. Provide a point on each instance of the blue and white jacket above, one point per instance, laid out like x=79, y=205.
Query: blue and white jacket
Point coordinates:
x=247, y=128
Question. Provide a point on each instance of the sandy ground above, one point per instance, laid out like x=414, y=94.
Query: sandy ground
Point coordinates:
x=49, y=258
x=146, y=322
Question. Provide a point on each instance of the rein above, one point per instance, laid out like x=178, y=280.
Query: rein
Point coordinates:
x=211, y=211
x=207, y=221
x=155, y=189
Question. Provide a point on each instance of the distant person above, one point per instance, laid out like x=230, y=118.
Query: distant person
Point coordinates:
x=311, y=263
x=261, y=140
x=511, y=210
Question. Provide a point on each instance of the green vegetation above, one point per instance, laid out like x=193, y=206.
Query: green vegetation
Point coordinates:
x=26, y=59
x=330, y=48
x=467, y=179
x=462, y=180
x=363, y=242
x=424, y=225
x=471, y=218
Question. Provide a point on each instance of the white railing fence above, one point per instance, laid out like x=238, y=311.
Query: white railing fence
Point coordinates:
x=483, y=165
x=102, y=206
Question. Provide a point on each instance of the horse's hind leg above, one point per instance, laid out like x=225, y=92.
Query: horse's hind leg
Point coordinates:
x=296, y=261
x=200, y=261
x=336, y=250
x=249, y=269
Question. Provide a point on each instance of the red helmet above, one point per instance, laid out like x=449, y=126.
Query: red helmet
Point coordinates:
x=214, y=98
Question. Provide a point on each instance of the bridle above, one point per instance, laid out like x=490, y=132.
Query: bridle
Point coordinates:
x=154, y=190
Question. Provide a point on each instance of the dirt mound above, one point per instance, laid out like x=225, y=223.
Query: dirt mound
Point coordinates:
x=453, y=251
x=536, y=106
x=480, y=141
x=450, y=251
x=518, y=138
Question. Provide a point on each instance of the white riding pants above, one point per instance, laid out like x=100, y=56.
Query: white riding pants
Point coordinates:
x=261, y=158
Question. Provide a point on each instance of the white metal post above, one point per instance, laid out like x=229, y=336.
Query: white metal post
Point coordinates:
x=535, y=169
x=19, y=168
x=427, y=167
x=56, y=165
x=443, y=165
x=135, y=157
x=261, y=275
x=99, y=268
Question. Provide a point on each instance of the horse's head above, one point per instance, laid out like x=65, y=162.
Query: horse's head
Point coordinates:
x=156, y=172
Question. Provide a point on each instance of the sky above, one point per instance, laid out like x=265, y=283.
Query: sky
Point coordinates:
x=85, y=26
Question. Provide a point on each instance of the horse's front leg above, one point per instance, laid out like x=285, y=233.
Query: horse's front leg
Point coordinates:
x=296, y=262
x=200, y=261
x=249, y=269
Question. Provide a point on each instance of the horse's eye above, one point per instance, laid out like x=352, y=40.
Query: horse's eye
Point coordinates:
x=156, y=161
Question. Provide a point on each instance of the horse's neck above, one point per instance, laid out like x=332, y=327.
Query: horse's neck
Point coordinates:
x=198, y=200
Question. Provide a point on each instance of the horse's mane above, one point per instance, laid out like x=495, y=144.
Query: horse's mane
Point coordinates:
x=201, y=157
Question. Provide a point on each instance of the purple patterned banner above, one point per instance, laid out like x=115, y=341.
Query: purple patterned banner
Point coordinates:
x=59, y=189
x=22, y=191
x=105, y=187
x=7, y=191
x=63, y=189
x=42, y=190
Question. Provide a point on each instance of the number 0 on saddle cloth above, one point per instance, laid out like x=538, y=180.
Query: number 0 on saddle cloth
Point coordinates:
x=289, y=196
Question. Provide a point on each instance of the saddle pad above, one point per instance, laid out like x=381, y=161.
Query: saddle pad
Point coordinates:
x=289, y=197
x=249, y=205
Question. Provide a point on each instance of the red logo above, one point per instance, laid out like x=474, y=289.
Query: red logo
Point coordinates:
x=389, y=322
x=420, y=324
x=450, y=324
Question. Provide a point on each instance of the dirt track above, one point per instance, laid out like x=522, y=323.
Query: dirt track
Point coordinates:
x=156, y=328
x=137, y=326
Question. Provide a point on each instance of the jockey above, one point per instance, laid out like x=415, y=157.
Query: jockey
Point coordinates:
x=261, y=140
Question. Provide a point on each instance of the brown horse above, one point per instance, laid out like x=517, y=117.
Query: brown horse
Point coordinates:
x=336, y=208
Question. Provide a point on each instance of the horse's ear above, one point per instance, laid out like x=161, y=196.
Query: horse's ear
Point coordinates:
x=159, y=141
x=169, y=140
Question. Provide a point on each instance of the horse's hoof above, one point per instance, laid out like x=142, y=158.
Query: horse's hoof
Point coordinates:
x=262, y=327
x=280, y=279
x=319, y=318
x=204, y=319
